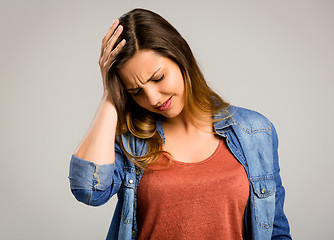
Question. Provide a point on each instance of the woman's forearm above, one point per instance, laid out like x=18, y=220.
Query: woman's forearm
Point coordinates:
x=98, y=145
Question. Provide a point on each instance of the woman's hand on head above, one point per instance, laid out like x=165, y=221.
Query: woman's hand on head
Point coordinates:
x=109, y=51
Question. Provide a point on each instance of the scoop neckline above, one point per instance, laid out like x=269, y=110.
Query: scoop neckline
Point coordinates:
x=199, y=162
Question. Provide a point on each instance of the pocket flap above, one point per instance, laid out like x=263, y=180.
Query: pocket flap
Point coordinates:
x=129, y=177
x=264, y=187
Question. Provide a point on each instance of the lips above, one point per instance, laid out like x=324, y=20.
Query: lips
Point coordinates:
x=165, y=105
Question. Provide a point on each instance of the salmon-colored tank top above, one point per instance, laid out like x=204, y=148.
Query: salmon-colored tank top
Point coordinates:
x=202, y=200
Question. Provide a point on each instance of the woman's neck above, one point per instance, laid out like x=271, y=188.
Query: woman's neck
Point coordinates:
x=186, y=123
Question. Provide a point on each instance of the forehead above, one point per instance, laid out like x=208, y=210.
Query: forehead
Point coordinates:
x=140, y=67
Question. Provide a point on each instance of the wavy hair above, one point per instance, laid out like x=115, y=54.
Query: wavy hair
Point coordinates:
x=146, y=30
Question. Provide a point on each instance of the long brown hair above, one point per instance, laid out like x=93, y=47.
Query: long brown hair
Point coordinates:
x=146, y=30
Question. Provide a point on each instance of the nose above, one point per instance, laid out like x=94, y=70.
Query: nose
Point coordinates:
x=152, y=96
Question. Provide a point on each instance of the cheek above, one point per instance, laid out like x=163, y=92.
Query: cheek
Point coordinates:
x=174, y=83
x=178, y=80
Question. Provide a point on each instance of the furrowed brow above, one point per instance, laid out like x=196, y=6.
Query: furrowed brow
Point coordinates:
x=137, y=88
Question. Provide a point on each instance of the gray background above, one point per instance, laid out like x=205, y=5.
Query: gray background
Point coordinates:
x=275, y=57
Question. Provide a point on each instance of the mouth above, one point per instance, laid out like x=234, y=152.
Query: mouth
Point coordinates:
x=165, y=105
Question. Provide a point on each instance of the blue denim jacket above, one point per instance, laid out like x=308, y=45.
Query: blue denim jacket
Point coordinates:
x=251, y=138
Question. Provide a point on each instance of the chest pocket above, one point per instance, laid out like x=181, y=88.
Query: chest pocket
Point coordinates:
x=264, y=201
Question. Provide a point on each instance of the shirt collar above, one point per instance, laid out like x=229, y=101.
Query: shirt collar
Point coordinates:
x=224, y=119
x=160, y=130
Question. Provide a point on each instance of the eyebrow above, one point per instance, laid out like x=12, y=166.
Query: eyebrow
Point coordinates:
x=134, y=89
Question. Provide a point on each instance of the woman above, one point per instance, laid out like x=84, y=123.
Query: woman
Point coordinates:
x=184, y=163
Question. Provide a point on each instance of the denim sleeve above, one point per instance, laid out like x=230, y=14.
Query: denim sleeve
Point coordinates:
x=94, y=184
x=281, y=229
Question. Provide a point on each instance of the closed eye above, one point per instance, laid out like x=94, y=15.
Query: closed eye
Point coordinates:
x=158, y=80
x=136, y=93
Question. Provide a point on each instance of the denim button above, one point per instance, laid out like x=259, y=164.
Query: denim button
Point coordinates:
x=246, y=164
x=263, y=191
x=130, y=181
x=138, y=172
x=228, y=141
x=133, y=232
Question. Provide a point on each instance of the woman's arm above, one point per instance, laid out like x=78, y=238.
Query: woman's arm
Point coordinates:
x=98, y=144
x=93, y=165
x=96, y=167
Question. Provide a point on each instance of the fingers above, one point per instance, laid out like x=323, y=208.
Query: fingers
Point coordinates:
x=111, y=42
x=110, y=32
x=112, y=54
x=108, y=42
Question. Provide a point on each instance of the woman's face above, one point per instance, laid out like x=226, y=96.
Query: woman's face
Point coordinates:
x=154, y=82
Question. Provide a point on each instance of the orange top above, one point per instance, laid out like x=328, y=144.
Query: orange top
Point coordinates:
x=202, y=200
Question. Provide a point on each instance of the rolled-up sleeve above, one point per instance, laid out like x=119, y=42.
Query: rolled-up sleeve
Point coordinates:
x=95, y=184
x=89, y=175
x=91, y=183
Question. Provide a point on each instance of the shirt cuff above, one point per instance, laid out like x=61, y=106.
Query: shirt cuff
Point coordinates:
x=89, y=175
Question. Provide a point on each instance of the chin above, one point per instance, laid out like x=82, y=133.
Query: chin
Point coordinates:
x=172, y=114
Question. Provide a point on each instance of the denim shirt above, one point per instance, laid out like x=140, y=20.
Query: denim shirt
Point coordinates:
x=251, y=138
